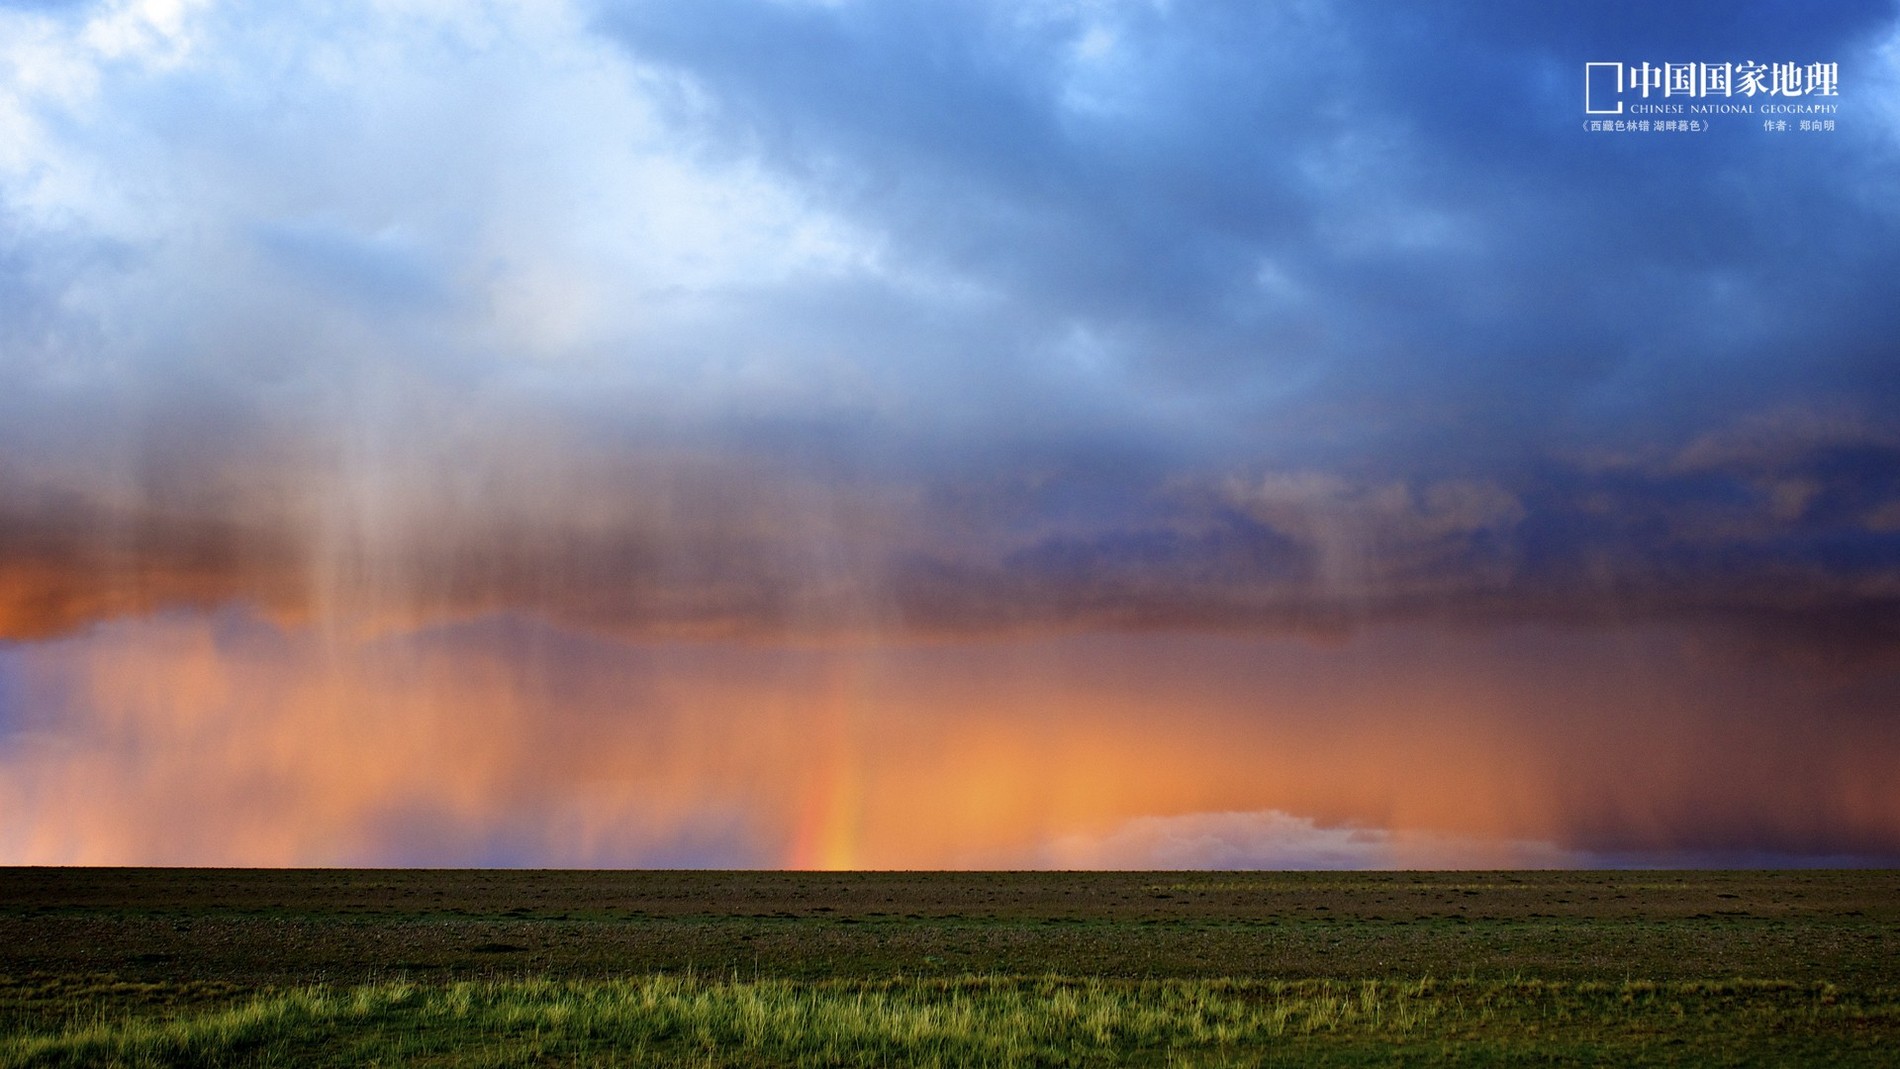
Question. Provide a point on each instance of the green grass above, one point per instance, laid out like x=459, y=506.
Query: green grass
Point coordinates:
x=995, y=1021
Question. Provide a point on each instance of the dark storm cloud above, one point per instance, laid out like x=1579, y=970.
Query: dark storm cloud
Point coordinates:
x=1325, y=213
x=1788, y=531
x=1378, y=259
x=948, y=318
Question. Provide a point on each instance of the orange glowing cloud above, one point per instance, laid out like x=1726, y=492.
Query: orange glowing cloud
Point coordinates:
x=227, y=740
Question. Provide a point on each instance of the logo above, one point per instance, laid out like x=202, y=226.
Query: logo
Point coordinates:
x=1609, y=88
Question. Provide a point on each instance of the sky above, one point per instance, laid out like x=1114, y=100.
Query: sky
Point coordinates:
x=887, y=433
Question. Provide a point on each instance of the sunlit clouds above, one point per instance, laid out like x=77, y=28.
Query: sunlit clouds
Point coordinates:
x=226, y=740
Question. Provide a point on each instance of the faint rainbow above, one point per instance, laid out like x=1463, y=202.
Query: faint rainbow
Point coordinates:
x=830, y=817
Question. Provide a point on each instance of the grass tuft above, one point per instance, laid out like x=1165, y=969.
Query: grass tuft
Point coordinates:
x=977, y=1021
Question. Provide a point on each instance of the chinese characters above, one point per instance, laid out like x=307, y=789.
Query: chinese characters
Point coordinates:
x=1608, y=87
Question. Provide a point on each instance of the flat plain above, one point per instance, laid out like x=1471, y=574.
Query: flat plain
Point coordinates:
x=512, y=967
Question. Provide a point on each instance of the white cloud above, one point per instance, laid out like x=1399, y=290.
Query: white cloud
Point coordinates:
x=516, y=155
x=1271, y=839
x=155, y=32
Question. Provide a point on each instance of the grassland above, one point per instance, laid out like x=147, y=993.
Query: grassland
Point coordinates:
x=176, y=967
